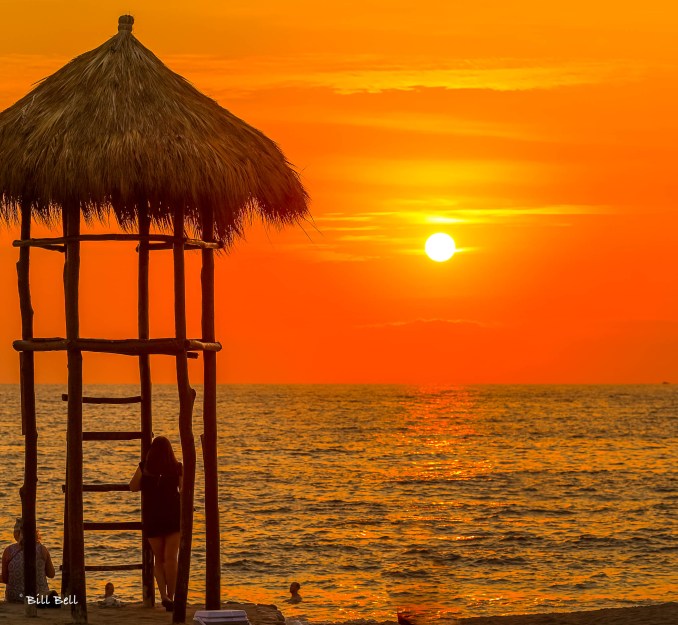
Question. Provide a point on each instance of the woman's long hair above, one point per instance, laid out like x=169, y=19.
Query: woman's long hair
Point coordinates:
x=160, y=459
x=19, y=532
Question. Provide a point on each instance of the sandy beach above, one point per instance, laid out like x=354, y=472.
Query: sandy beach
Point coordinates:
x=663, y=614
x=133, y=613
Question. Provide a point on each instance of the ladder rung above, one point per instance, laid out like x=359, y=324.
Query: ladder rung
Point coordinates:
x=107, y=400
x=96, y=526
x=104, y=488
x=101, y=488
x=114, y=567
x=110, y=567
x=110, y=436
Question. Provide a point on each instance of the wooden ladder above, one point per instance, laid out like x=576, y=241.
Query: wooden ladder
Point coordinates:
x=145, y=435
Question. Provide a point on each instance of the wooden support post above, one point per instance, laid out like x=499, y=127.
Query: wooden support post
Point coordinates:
x=76, y=539
x=209, y=439
x=65, y=558
x=65, y=552
x=147, y=582
x=186, y=399
x=28, y=423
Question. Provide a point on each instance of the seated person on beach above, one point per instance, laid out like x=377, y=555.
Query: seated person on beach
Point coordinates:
x=294, y=591
x=110, y=600
x=13, y=567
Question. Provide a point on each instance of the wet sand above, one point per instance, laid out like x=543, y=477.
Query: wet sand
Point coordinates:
x=664, y=614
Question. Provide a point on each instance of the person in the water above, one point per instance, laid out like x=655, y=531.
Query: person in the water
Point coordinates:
x=294, y=591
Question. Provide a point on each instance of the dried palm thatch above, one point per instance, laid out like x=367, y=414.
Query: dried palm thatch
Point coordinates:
x=116, y=129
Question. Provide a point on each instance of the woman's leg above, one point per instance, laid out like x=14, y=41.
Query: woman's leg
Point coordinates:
x=171, y=553
x=158, y=546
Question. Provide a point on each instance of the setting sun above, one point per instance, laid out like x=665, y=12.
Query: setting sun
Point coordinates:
x=440, y=247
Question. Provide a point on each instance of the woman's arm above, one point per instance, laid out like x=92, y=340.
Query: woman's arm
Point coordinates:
x=181, y=476
x=5, y=566
x=49, y=566
x=135, y=482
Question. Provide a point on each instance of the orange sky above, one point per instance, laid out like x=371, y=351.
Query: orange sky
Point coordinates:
x=542, y=136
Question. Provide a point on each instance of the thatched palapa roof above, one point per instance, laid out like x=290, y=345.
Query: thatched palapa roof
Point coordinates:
x=116, y=129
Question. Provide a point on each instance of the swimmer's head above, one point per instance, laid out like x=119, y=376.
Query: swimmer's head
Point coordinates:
x=109, y=589
x=294, y=588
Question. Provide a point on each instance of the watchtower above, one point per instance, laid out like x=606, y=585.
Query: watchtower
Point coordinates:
x=115, y=132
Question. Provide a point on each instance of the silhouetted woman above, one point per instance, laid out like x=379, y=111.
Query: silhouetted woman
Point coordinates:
x=159, y=479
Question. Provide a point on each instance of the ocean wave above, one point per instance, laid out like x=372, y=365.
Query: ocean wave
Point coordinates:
x=245, y=564
x=273, y=510
x=446, y=557
x=520, y=537
x=501, y=560
x=417, y=551
x=407, y=573
x=590, y=539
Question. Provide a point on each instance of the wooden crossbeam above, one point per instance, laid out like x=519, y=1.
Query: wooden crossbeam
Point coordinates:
x=53, y=242
x=136, y=399
x=98, y=526
x=124, y=347
x=168, y=246
x=101, y=488
x=111, y=436
x=111, y=567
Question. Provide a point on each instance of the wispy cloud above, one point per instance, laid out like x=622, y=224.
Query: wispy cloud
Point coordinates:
x=428, y=322
x=442, y=211
x=390, y=233
x=330, y=252
x=372, y=74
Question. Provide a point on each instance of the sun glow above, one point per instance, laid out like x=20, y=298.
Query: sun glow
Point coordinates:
x=440, y=247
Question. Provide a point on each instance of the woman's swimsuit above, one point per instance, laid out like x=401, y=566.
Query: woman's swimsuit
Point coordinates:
x=161, y=508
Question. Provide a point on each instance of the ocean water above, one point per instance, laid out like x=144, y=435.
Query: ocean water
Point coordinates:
x=438, y=501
